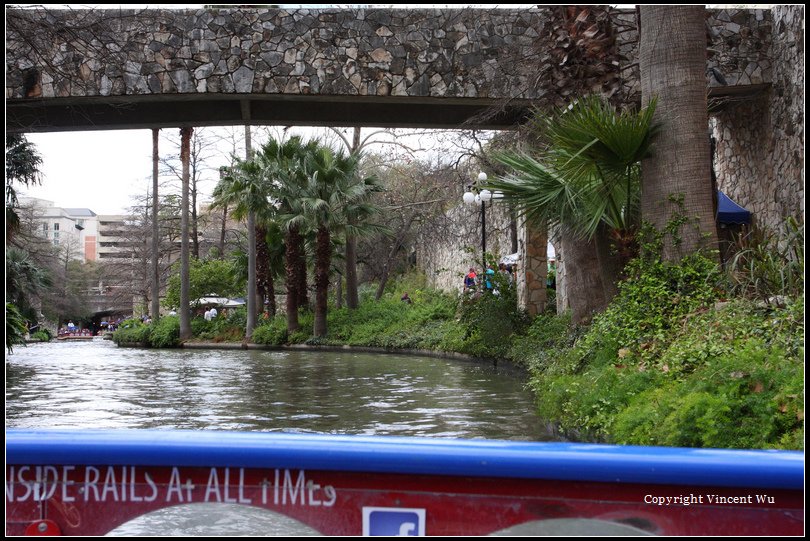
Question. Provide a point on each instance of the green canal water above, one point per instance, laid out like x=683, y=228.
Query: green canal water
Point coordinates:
x=98, y=385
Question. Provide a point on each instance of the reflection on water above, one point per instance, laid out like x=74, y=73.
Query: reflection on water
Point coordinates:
x=97, y=385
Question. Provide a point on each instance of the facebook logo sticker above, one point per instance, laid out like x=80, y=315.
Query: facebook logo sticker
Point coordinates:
x=393, y=521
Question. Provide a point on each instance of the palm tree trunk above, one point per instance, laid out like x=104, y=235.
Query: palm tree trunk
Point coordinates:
x=251, y=285
x=339, y=293
x=155, y=228
x=271, y=293
x=352, y=298
x=610, y=264
x=302, y=297
x=264, y=274
x=185, y=316
x=222, y=232
x=293, y=243
x=673, y=68
x=586, y=293
x=195, y=232
x=323, y=256
x=262, y=266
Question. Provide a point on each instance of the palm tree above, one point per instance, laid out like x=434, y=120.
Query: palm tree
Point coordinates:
x=282, y=163
x=673, y=70
x=25, y=280
x=245, y=190
x=331, y=188
x=587, y=180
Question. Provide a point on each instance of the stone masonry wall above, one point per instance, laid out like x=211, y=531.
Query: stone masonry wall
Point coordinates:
x=759, y=158
x=446, y=255
x=737, y=49
x=541, y=54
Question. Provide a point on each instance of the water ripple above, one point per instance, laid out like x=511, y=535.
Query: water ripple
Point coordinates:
x=97, y=385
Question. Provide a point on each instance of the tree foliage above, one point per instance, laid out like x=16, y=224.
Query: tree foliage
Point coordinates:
x=587, y=172
x=22, y=166
x=213, y=277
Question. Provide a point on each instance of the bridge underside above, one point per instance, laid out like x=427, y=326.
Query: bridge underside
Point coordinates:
x=133, y=112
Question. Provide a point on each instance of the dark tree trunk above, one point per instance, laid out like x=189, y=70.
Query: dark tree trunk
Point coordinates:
x=262, y=266
x=271, y=294
x=155, y=228
x=386, y=270
x=352, y=297
x=301, y=276
x=610, y=262
x=185, y=301
x=323, y=256
x=291, y=263
x=391, y=255
x=251, y=285
x=195, y=233
x=222, y=232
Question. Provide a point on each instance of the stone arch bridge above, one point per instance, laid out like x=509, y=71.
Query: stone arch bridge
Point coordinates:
x=109, y=69
x=74, y=70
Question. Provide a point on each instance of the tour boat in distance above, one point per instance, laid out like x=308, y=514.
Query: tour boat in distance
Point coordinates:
x=89, y=482
x=84, y=334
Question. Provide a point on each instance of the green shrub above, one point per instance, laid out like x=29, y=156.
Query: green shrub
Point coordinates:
x=545, y=341
x=768, y=265
x=273, y=333
x=132, y=331
x=166, y=332
x=734, y=378
x=491, y=322
x=731, y=377
x=226, y=327
x=43, y=335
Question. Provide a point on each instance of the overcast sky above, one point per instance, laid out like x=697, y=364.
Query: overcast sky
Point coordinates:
x=96, y=170
x=106, y=171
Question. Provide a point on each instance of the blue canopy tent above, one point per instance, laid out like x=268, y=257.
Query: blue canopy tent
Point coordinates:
x=729, y=212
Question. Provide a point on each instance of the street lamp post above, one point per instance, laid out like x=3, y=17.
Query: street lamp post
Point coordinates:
x=478, y=196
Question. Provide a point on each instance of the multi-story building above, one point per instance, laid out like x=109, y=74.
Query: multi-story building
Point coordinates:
x=115, y=237
x=73, y=230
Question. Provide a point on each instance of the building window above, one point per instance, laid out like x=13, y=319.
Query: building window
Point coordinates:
x=44, y=227
x=56, y=227
x=80, y=223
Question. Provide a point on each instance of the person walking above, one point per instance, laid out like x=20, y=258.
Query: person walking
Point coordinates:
x=469, y=281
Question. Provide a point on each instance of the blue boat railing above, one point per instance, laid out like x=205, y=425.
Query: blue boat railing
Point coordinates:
x=388, y=454
x=91, y=481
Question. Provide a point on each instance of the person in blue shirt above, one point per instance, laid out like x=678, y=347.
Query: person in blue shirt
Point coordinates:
x=488, y=278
